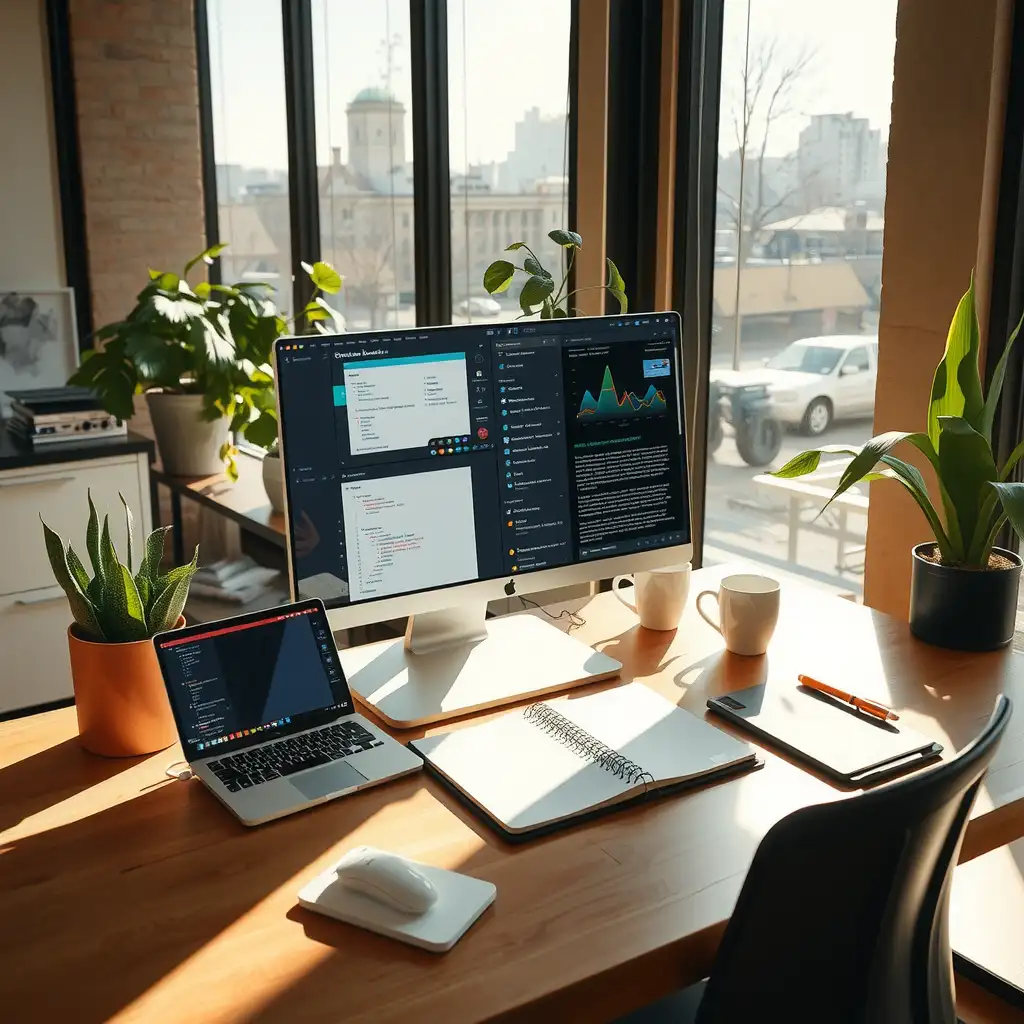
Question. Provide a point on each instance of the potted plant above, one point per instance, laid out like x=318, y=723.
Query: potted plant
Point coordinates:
x=202, y=357
x=119, y=694
x=539, y=287
x=963, y=591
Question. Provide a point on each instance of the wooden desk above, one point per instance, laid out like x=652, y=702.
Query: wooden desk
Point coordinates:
x=130, y=897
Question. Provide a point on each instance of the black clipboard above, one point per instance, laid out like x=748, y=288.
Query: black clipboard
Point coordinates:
x=842, y=743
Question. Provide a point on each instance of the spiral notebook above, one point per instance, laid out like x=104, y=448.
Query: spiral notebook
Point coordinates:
x=545, y=766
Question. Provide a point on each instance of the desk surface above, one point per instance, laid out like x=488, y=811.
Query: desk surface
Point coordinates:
x=245, y=501
x=128, y=896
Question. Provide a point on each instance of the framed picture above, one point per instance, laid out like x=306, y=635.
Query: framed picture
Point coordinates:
x=38, y=339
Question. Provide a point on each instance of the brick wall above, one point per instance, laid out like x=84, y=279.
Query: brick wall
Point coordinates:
x=137, y=93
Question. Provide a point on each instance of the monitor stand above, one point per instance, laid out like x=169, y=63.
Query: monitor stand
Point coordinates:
x=456, y=661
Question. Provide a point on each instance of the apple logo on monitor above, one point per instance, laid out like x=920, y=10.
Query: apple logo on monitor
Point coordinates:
x=510, y=588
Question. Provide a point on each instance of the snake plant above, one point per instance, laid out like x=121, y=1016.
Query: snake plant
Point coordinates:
x=977, y=495
x=114, y=606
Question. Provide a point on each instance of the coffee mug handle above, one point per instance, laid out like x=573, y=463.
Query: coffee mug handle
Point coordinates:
x=631, y=605
x=700, y=611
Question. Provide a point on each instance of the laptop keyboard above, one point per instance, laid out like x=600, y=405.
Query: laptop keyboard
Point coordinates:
x=293, y=754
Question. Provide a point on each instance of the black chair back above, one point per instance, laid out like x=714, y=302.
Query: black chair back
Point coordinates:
x=843, y=916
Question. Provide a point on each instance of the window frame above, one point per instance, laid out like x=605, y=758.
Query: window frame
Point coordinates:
x=431, y=171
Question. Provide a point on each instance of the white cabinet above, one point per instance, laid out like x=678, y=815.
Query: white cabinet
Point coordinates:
x=34, y=613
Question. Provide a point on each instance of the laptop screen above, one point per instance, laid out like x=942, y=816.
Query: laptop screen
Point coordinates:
x=240, y=681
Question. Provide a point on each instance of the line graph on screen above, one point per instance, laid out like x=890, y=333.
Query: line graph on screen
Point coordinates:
x=610, y=404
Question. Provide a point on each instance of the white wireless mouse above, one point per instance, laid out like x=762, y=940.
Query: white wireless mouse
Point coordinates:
x=386, y=878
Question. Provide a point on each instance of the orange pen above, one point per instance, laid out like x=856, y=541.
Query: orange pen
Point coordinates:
x=869, y=707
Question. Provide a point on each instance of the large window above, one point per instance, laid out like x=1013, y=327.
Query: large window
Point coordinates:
x=364, y=157
x=508, y=81
x=806, y=91
x=250, y=142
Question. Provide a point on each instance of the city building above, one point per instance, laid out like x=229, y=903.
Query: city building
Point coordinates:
x=841, y=160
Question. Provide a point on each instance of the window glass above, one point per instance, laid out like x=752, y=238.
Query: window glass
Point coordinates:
x=364, y=155
x=250, y=142
x=797, y=278
x=508, y=143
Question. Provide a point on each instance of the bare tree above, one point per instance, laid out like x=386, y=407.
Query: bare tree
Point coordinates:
x=768, y=86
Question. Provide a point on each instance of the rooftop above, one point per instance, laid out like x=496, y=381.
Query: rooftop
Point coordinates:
x=375, y=94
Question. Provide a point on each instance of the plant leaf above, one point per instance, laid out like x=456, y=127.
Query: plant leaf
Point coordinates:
x=176, y=311
x=108, y=555
x=498, y=276
x=617, y=287
x=514, y=246
x=965, y=466
x=995, y=387
x=81, y=608
x=77, y=570
x=532, y=266
x=911, y=478
x=167, y=607
x=153, y=553
x=558, y=313
x=129, y=523
x=956, y=387
x=121, y=612
x=1012, y=461
x=206, y=256
x=1011, y=496
x=535, y=291
x=92, y=538
x=568, y=239
x=325, y=277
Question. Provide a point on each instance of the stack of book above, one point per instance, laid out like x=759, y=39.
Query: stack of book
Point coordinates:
x=234, y=581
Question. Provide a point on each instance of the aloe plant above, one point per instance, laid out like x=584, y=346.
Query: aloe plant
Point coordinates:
x=976, y=495
x=114, y=606
x=539, y=288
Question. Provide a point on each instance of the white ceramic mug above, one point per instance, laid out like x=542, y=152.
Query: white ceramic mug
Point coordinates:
x=748, y=608
x=659, y=595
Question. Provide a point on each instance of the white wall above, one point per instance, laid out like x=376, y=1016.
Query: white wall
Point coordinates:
x=31, y=250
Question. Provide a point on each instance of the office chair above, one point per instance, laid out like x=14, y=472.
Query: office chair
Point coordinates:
x=843, y=916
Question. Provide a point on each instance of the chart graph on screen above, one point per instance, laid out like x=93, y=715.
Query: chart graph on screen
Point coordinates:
x=609, y=404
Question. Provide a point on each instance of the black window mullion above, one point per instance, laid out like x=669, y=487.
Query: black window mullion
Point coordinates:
x=69, y=167
x=208, y=153
x=303, y=182
x=634, y=97
x=699, y=88
x=431, y=185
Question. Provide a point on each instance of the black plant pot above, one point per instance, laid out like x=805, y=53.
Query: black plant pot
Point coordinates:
x=964, y=609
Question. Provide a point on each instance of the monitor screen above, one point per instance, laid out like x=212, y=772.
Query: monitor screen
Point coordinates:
x=425, y=459
x=252, y=678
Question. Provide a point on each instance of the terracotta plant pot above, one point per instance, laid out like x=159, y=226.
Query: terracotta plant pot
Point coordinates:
x=120, y=698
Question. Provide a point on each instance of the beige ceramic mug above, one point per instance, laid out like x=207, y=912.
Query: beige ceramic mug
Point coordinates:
x=659, y=595
x=748, y=608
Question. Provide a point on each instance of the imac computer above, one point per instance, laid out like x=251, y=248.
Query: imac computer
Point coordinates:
x=431, y=470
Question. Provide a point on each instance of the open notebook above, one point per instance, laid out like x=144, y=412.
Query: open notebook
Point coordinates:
x=539, y=767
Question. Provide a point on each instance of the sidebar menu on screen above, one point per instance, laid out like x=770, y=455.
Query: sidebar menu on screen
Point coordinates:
x=532, y=470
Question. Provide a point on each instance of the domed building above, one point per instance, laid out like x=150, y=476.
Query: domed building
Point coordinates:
x=376, y=137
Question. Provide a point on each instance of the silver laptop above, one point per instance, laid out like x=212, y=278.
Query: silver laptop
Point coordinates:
x=265, y=716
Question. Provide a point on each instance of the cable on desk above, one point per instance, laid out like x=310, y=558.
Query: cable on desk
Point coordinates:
x=575, y=621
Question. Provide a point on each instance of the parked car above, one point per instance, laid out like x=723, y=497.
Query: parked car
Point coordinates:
x=814, y=381
x=479, y=306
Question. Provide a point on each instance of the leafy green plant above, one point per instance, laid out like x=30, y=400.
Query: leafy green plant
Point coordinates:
x=539, y=288
x=212, y=340
x=114, y=606
x=976, y=495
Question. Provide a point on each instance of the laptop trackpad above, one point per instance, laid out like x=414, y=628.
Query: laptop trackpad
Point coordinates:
x=332, y=778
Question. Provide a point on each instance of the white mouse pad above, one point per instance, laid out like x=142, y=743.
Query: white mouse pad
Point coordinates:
x=460, y=901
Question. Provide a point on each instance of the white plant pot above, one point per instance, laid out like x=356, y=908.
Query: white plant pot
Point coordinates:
x=273, y=481
x=189, y=445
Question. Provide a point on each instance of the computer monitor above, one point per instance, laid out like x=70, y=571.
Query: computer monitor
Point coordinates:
x=431, y=470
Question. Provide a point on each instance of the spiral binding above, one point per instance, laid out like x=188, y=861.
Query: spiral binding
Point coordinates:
x=586, y=746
